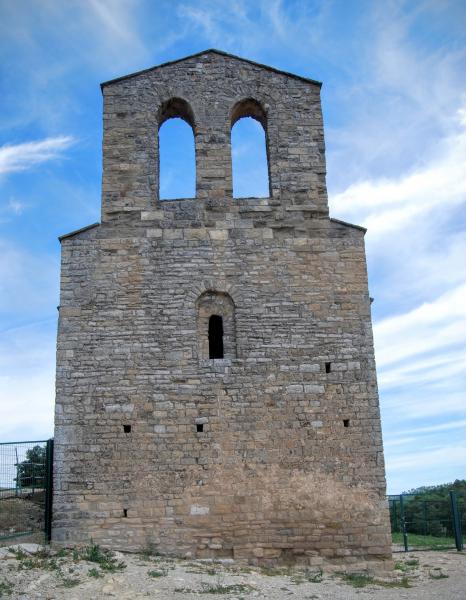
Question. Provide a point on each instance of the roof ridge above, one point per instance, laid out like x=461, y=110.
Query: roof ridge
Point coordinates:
x=212, y=51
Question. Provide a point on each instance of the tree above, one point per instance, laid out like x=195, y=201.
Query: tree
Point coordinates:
x=427, y=509
x=31, y=471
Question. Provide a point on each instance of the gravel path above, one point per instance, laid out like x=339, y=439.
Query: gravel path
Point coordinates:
x=28, y=574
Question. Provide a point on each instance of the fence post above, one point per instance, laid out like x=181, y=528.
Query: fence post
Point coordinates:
x=18, y=478
x=48, y=490
x=403, y=523
x=424, y=505
x=456, y=521
x=395, y=517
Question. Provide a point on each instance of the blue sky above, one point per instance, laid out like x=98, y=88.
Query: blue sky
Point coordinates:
x=394, y=102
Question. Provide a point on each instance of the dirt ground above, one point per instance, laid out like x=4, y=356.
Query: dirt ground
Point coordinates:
x=28, y=572
x=21, y=514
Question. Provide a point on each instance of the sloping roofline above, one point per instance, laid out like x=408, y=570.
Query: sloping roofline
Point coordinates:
x=77, y=231
x=212, y=51
x=346, y=224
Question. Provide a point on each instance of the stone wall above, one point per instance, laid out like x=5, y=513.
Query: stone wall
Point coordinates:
x=274, y=452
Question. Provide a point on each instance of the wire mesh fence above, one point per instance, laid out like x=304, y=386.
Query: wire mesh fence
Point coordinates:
x=423, y=522
x=25, y=488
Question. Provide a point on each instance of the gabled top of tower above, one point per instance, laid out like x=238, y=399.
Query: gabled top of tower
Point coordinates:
x=211, y=91
x=212, y=51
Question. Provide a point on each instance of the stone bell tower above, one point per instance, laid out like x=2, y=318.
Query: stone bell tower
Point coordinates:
x=216, y=385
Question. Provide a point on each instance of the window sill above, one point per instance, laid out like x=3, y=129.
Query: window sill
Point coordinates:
x=216, y=362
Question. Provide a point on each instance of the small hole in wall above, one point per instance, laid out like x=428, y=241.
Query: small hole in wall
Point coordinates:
x=199, y=427
x=127, y=428
x=328, y=367
x=125, y=512
x=345, y=422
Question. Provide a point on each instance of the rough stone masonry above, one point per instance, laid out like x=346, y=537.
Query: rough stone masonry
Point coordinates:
x=216, y=384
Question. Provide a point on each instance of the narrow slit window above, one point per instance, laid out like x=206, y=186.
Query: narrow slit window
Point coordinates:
x=328, y=367
x=345, y=422
x=215, y=337
x=216, y=327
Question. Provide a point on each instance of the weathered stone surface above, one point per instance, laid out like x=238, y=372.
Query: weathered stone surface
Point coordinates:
x=244, y=456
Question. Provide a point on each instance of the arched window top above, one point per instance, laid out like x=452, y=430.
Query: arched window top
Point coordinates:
x=216, y=326
x=249, y=108
x=176, y=150
x=176, y=107
x=214, y=298
x=249, y=150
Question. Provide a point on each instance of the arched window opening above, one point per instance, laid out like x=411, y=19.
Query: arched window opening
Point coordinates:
x=215, y=336
x=177, y=160
x=249, y=150
x=216, y=326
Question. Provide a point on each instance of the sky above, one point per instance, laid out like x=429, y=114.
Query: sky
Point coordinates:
x=394, y=104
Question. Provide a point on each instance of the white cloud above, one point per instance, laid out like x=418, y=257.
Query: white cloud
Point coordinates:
x=58, y=52
x=438, y=367
x=28, y=283
x=243, y=27
x=12, y=208
x=113, y=16
x=434, y=428
x=20, y=157
x=431, y=326
x=414, y=402
x=15, y=206
x=386, y=205
x=113, y=27
x=405, y=99
x=96, y=32
x=416, y=465
x=453, y=455
x=27, y=364
x=397, y=166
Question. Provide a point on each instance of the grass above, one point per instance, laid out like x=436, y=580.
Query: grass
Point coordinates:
x=405, y=566
x=220, y=588
x=200, y=569
x=429, y=542
x=402, y=583
x=275, y=571
x=156, y=573
x=6, y=588
x=70, y=582
x=361, y=580
x=39, y=560
x=308, y=577
x=104, y=558
x=18, y=553
x=149, y=552
x=95, y=573
x=357, y=580
x=42, y=559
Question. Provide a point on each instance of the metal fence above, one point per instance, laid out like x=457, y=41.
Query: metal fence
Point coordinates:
x=25, y=488
x=427, y=522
